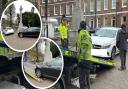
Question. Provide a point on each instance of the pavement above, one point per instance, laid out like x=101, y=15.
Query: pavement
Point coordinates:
x=43, y=83
x=19, y=43
x=40, y=82
x=110, y=78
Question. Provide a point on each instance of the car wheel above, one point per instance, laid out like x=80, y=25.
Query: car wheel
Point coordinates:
x=38, y=73
x=56, y=86
x=60, y=84
x=21, y=35
x=113, y=53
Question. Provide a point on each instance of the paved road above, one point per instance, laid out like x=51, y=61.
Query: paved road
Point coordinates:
x=29, y=67
x=43, y=83
x=19, y=43
x=110, y=78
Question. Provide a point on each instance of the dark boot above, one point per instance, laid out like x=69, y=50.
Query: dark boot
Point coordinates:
x=121, y=69
x=124, y=68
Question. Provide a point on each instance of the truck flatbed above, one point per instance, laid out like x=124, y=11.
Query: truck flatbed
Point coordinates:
x=72, y=55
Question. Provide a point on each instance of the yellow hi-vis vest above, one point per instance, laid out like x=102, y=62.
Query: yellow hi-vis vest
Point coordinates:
x=1, y=37
x=84, y=44
x=63, y=31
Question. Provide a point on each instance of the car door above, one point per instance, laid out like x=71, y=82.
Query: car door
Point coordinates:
x=33, y=32
x=117, y=50
x=28, y=32
x=55, y=68
x=51, y=72
x=36, y=32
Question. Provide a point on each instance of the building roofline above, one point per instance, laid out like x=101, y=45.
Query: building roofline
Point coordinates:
x=112, y=13
x=55, y=3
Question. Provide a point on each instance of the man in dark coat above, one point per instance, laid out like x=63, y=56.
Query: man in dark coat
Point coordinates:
x=122, y=45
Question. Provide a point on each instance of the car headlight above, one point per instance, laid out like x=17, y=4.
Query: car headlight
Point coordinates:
x=105, y=47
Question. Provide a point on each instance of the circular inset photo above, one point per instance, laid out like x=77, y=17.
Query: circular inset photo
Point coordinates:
x=42, y=65
x=21, y=25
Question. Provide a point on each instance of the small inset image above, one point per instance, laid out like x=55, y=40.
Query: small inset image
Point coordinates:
x=21, y=25
x=43, y=64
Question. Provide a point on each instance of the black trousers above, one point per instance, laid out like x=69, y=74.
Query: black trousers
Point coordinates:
x=123, y=58
x=84, y=78
x=64, y=43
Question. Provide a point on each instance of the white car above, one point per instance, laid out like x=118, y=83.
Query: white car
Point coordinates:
x=8, y=31
x=104, y=42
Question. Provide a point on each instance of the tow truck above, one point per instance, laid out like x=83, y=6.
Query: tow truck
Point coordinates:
x=70, y=72
x=11, y=76
x=10, y=62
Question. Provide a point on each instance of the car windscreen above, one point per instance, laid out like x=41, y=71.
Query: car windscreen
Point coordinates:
x=33, y=29
x=56, y=63
x=55, y=24
x=8, y=28
x=106, y=33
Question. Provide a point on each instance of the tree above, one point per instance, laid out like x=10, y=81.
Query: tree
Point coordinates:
x=35, y=54
x=54, y=49
x=10, y=13
x=31, y=19
x=4, y=4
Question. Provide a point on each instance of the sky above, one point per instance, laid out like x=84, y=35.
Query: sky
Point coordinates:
x=25, y=5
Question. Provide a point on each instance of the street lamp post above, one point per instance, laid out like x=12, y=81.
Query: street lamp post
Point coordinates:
x=117, y=4
x=95, y=14
x=37, y=58
x=46, y=16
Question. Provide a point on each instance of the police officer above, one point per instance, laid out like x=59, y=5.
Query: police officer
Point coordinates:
x=63, y=29
x=121, y=43
x=84, y=44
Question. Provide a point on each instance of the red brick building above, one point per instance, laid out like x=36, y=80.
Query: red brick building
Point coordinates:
x=98, y=13
x=57, y=8
x=106, y=12
x=0, y=8
x=35, y=3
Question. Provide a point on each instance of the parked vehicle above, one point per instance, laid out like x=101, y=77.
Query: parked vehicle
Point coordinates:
x=8, y=31
x=50, y=70
x=91, y=31
x=29, y=32
x=104, y=42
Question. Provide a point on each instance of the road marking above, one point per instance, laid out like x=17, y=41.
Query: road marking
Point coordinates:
x=32, y=76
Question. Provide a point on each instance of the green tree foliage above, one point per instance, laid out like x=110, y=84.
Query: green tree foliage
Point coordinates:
x=4, y=4
x=10, y=13
x=35, y=54
x=31, y=19
x=54, y=49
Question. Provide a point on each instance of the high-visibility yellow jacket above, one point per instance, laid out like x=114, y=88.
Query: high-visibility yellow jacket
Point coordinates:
x=84, y=44
x=63, y=31
x=1, y=37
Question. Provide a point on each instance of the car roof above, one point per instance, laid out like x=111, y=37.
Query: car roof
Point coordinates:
x=8, y=27
x=35, y=27
x=112, y=28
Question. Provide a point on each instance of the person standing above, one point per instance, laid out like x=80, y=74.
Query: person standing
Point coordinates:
x=84, y=44
x=63, y=29
x=121, y=43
